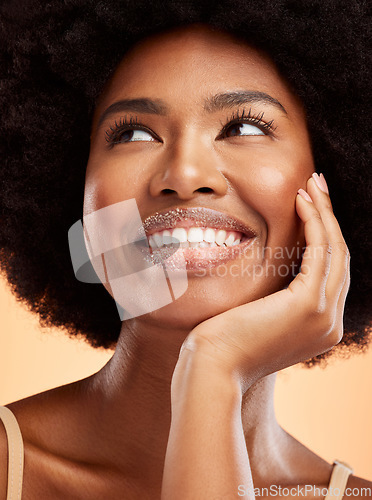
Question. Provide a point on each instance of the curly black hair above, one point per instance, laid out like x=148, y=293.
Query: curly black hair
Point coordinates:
x=55, y=58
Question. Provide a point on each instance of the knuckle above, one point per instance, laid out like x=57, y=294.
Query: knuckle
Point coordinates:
x=320, y=314
x=316, y=216
x=328, y=204
x=342, y=248
x=327, y=322
x=327, y=248
x=314, y=310
x=322, y=251
x=335, y=336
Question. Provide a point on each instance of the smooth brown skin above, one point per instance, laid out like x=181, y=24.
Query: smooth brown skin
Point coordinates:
x=106, y=436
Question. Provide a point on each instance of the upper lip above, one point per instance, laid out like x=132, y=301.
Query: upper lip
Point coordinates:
x=194, y=217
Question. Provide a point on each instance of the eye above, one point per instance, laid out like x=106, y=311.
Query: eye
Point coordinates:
x=132, y=136
x=246, y=123
x=129, y=130
x=243, y=129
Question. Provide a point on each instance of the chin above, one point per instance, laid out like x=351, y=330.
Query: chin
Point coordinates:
x=204, y=299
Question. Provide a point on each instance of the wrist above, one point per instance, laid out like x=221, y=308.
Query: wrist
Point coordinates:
x=198, y=374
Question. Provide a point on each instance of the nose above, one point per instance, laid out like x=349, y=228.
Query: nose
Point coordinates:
x=188, y=168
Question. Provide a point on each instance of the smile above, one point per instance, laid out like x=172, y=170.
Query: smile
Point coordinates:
x=200, y=237
x=195, y=237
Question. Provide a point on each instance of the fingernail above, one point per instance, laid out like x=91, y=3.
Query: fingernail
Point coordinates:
x=318, y=181
x=324, y=182
x=304, y=195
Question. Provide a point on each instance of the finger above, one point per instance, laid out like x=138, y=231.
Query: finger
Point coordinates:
x=340, y=253
x=339, y=326
x=316, y=259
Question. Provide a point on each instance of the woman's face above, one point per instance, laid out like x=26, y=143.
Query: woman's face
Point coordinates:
x=217, y=127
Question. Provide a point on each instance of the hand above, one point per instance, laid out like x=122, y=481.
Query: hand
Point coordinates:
x=291, y=325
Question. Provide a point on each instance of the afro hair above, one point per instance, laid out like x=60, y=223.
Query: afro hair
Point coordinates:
x=55, y=58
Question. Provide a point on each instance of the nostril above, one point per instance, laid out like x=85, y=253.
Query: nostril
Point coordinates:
x=168, y=191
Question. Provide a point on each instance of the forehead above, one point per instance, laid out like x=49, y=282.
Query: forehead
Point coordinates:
x=186, y=65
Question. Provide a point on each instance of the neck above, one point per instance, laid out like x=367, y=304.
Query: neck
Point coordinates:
x=131, y=394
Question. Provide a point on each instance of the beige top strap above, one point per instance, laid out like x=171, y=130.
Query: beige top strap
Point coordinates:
x=15, y=454
x=337, y=485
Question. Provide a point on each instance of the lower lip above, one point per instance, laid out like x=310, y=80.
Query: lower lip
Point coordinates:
x=198, y=258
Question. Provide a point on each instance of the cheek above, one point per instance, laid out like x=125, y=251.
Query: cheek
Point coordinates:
x=277, y=191
x=107, y=183
x=271, y=190
x=106, y=186
x=271, y=183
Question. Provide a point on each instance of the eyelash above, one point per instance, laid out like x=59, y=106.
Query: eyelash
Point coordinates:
x=114, y=131
x=124, y=124
x=253, y=119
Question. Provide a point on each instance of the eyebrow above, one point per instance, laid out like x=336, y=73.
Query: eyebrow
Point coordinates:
x=212, y=104
x=231, y=99
x=141, y=105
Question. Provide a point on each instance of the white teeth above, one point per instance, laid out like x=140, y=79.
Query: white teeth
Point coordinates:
x=220, y=237
x=167, y=237
x=158, y=239
x=195, y=237
x=180, y=234
x=195, y=234
x=229, y=240
x=209, y=235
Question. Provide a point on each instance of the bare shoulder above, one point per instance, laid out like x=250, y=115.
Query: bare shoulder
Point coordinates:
x=357, y=487
x=22, y=410
x=56, y=463
x=47, y=417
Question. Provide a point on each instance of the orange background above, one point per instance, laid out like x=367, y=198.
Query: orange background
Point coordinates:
x=329, y=410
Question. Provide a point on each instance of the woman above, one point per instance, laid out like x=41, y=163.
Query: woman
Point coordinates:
x=207, y=111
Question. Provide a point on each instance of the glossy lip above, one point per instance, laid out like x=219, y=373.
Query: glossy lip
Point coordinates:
x=197, y=258
x=194, y=217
